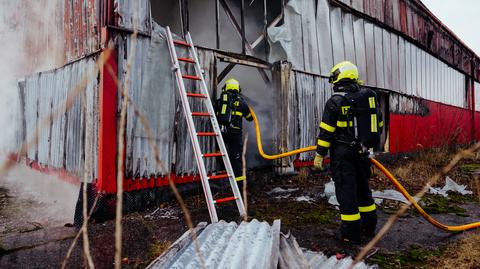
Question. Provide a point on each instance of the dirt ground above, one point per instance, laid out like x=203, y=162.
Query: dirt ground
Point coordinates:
x=411, y=242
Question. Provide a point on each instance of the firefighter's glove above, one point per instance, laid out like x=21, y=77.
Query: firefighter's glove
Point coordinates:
x=318, y=162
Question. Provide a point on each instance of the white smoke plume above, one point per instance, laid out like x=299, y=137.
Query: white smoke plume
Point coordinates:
x=31, y=40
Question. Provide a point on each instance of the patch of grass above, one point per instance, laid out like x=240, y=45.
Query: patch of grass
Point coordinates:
x=157, y=248
x=294, y=214
x=437, y=204
x=325, y=216
x=469, y=167
x=302, y=176
x=415, y=257
x=462, y=254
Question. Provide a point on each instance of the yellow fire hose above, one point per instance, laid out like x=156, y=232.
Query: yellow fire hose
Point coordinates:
x=457, y=228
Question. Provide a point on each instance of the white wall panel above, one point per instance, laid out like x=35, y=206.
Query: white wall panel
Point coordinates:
x=370, y=54
x=359, y=37
x=348, y=38
x=324, y=37
x=379, y=68
x=387, y=59
x=477, y=96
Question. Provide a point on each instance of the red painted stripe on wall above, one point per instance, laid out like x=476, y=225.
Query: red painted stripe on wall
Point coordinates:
x=443, y=125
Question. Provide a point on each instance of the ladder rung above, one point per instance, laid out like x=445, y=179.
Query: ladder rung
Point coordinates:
x=191, y=77
x=183, y=43
x=206, y=134
x=216, y=154
x=200, y=114
x=226, y=199
x=188, y=60
x=191, y=94
x=221, y=176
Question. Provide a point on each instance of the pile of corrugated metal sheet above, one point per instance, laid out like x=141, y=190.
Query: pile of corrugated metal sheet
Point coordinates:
x=251, y=244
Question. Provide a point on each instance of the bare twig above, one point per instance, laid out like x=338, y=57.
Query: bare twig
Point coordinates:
x=244, y=172
x=74, y=242
x=457, y=158
x=86, y=242
x=153, y=145
x=121, y=149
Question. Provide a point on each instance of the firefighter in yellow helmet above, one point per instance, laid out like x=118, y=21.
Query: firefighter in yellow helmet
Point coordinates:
x=231, y=108
x=350, y=124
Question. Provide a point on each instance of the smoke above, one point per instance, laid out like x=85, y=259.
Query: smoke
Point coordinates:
x=35, y=200
x=203, y=30
x=31, y=40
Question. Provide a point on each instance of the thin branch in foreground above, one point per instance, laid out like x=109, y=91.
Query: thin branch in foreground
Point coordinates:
x=74, y=242
x=244, y=172
x=153, y=146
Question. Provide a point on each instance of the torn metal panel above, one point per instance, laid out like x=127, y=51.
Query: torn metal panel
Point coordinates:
x=134, y=15
x=292, y=256
x=63, y=143
x=152, y=91
x=298, y=46
x=406, y=105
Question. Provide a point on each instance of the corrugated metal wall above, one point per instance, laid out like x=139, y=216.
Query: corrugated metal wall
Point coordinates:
x=81, y=20
x=134, y=14
x=70, y=141
x=308, y=95
x=477, y=96
x=413, y=19
x=385, y=60
x=154, y=91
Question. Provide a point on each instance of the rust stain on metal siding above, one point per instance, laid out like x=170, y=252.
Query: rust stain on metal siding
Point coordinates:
x=81, y=28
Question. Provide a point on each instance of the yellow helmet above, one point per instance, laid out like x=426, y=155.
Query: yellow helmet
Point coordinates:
x=343, y=70
x=232, y=84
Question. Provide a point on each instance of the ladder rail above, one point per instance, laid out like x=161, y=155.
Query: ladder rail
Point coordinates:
x=191, y=128
x=216, y=128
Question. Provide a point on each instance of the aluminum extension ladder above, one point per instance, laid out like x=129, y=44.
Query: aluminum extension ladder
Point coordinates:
x=194, y=135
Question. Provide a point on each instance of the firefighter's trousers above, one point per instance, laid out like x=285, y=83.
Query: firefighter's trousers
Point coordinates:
x=234, y=142
x=351, y=172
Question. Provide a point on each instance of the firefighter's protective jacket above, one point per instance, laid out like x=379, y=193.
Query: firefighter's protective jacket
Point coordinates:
x=238, y=109
x=338, y=122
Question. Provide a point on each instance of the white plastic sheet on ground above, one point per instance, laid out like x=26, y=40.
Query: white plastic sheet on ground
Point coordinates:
x=450, y=185
x=390, y=194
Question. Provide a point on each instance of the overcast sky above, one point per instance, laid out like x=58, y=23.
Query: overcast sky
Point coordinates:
x=461, y=16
